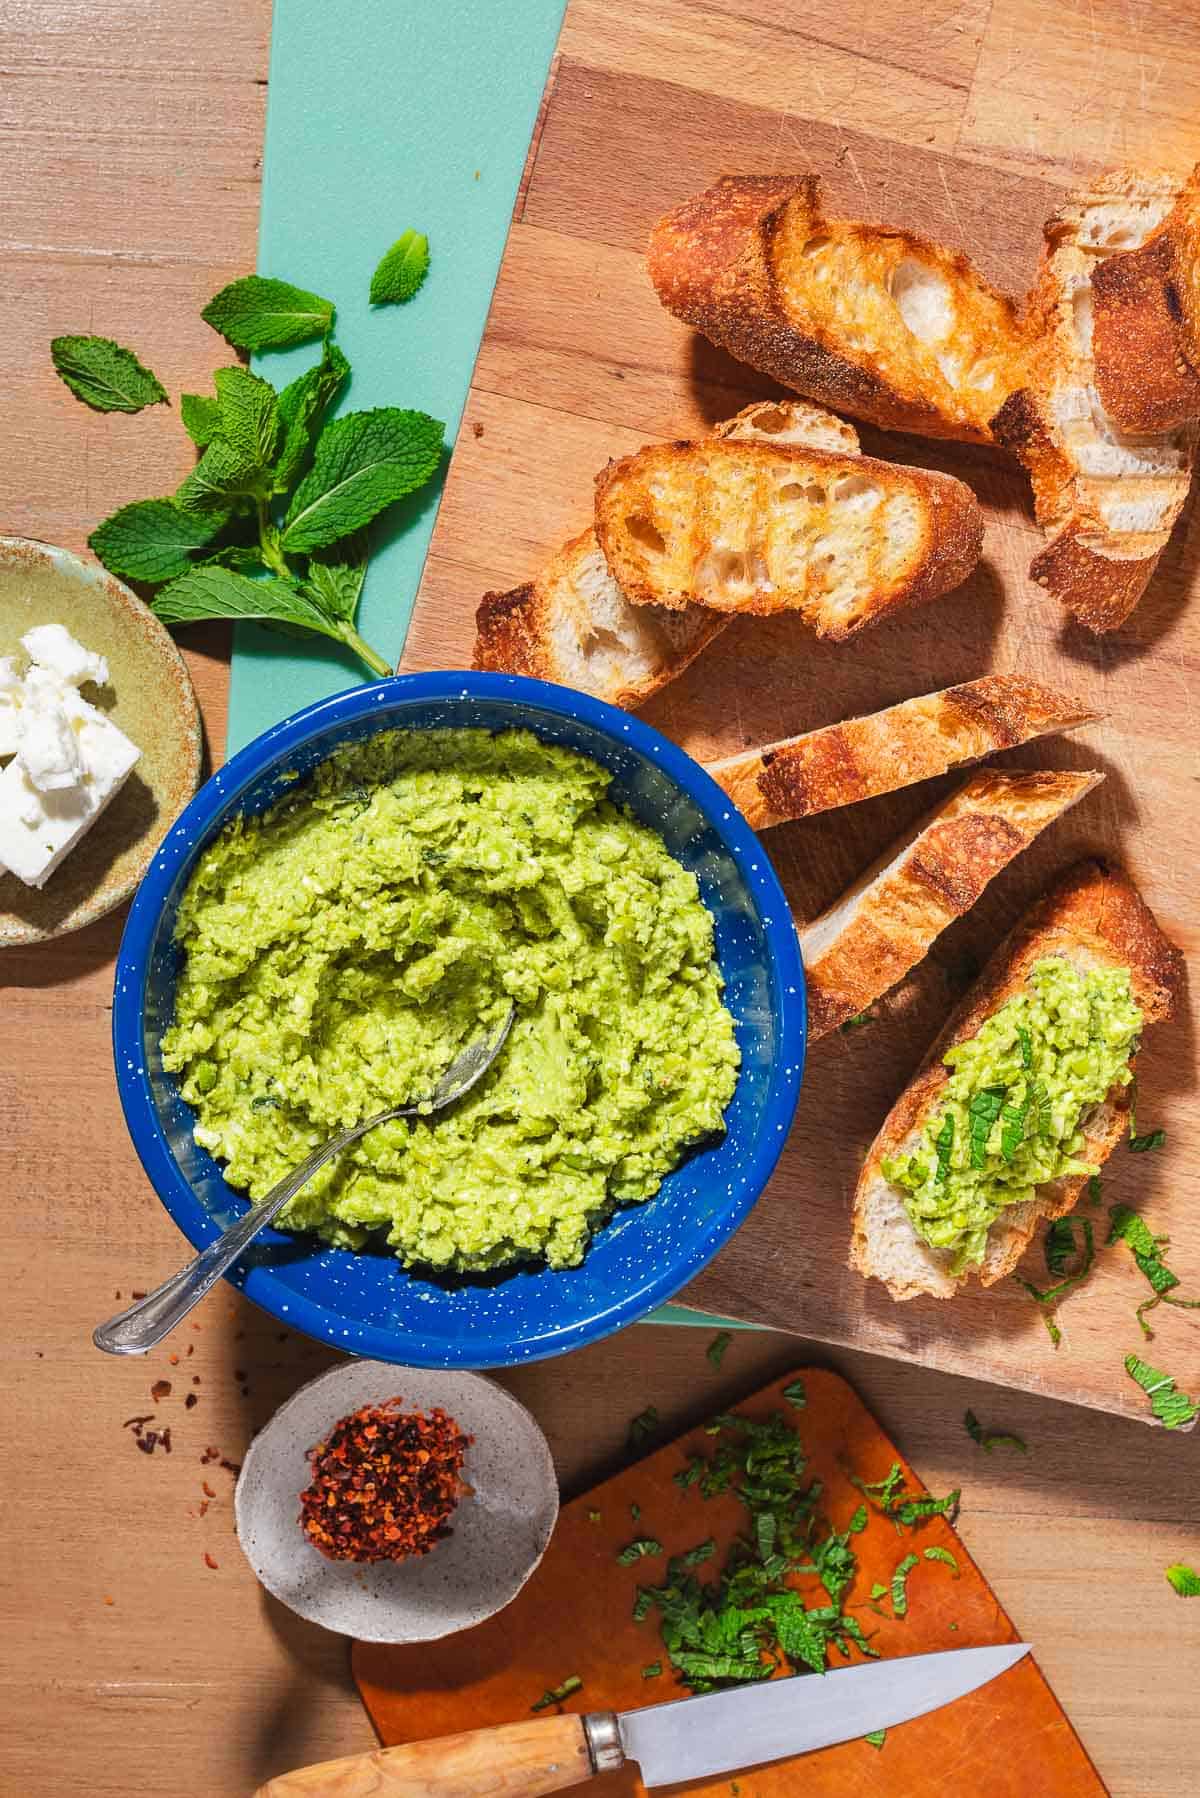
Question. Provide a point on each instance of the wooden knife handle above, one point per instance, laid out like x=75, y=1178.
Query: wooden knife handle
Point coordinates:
x=518, y=1760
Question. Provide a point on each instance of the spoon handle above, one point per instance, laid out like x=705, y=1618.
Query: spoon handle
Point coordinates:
x=138, y=1328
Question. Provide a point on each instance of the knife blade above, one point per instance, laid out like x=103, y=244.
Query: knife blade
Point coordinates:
x=696, y=1738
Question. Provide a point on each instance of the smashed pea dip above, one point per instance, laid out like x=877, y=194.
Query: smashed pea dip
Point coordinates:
x=340, y=949
x=1017, y=1095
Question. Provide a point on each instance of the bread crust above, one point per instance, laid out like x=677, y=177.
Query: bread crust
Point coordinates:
x=1147, y=323
x=950, y=534
x=914, y=893
x=723, y=261
x=1107, y=501
x=883, y=751
x=1092, y=917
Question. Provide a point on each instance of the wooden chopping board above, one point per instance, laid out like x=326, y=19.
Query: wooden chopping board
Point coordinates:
x=1006, y=1740
x=968, y=129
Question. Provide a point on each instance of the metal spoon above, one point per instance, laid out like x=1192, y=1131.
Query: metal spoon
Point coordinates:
x=134, y=1331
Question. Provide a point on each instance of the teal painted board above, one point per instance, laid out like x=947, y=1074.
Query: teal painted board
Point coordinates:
x=381, y=115
x=400, y=115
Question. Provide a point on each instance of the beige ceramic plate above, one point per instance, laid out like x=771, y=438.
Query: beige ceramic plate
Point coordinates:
x=152, y=701
x=498, y=1534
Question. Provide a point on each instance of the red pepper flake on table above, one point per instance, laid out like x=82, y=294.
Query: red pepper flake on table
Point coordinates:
x=384, y=1484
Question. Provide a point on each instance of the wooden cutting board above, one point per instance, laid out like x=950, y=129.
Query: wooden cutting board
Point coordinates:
x=1006, y=1740
x=967, y=128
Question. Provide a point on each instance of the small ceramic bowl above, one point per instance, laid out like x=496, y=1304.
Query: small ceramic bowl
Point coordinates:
x=499, y=1532
x=150, y=699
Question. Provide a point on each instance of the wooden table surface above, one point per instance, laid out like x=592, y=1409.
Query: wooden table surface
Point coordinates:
x=131, y=145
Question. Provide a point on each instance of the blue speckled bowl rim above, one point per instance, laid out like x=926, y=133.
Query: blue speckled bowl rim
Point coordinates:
x=219, y=797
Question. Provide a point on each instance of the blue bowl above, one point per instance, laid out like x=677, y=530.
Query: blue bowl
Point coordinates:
x=367, y=1303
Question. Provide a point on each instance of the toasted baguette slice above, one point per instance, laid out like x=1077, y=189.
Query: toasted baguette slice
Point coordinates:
x=884, y=925
x=912, y=741
x=1092, y=918
x=1106, y=501
x=1146, y=323
x=573, y=624
x=755, y=527
x=876, y=322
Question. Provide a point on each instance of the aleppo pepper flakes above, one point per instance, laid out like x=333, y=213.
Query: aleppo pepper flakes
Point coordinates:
x=384, y=1484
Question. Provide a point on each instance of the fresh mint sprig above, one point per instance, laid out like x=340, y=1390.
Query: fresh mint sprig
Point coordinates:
x=271, y=522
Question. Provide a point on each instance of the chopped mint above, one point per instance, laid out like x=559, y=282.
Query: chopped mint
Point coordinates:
x=1184, y=1580
x=643, y=1426
x=796, y=1395
x=557, y=1694
x=1172, y=1407
x=990, y=1439
x=876, y=1738
x=653, y=1671
x=900, y=1585
x=716, y=1348
x=944, y=1555
x=1153, y=1139
x=638, y=1550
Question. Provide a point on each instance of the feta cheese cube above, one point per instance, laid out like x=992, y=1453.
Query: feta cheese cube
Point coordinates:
x=53, y=647
x=10, y=705
x=47, y=744
x=37, y=829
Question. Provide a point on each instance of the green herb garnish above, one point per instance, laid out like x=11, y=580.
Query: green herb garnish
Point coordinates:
x=269, y=524
x=1147, y=1250
x=638, y=1550
x=906, y=1508
x=643, y=1425
x=900, y=1585
x=1172, y=1407
x=990, y=1439
x=943, y=1142
x=876, y=1738
x=982, y=1113
x=106, y=376
x=1055, y=1253
x=1184, y=1580
x=795, y=1395
x=716, y=1348
x=557, y=1694
x=593, y=1516
x=401, y=270
x=258, y=313
x=858, y=1022
x=941, y=1554
x=653, y=1671
x=1153, y=1139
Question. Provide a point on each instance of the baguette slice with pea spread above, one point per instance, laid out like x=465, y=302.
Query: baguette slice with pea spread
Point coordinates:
x=983, y=1149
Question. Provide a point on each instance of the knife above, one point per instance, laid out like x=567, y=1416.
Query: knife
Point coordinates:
x=694, y=1738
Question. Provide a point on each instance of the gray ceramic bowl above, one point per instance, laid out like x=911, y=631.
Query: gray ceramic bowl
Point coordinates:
x=499, y=1532
x=150, y=699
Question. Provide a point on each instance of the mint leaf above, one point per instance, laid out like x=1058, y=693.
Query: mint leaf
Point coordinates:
x=900, y=1585
x=1059, y=1245
x=401, y=270
x=201, y=417
x=944, y=1556
x=639, y=1550
x=104, y=375
x=300, y=407
x=220, y=593
x=1184, y=1580
x=259, y=313
x=1153, y=1139
x=362, y=463
x=336, y=575
x=989, y=1439
x=796, y=1395
x=715, y=1351
x=249, y=414
x=1172, y=1408
x=152, y=540
x=1147, y=1249
x=876, y=1738
x=223, y=474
